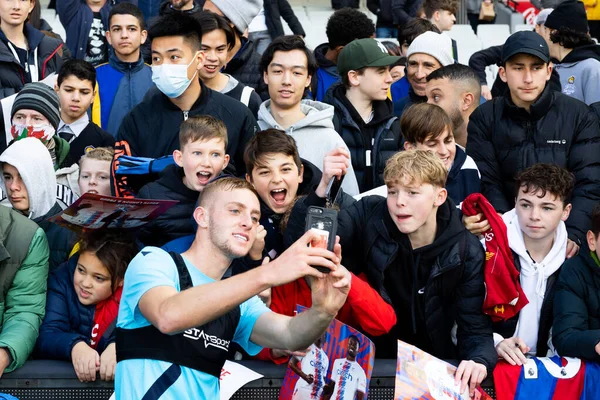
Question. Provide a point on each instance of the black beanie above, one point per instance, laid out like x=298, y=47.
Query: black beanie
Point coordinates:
x=568, y=14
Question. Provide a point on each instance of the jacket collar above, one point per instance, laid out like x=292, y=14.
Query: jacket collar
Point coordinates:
x=122, y=66
x=537, y=110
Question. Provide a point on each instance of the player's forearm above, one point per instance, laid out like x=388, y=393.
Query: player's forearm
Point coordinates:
x=201, y=304
x=305, y=328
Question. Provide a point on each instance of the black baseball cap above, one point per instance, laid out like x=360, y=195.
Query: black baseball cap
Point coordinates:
x=525, y=42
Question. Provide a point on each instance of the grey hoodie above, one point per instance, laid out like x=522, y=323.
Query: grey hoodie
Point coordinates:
x=314, y=134
x=579, y=74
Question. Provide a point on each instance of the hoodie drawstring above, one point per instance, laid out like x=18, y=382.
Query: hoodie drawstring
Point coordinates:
x=415, y=268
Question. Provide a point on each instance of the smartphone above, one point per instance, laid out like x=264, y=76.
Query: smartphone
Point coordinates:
x=333, y=191
x=323, y=220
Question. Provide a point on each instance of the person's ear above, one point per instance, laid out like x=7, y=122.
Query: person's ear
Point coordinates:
x=225, y=160
x=266, y=78
x=502, y=73
x=353, y=78
x=550, y=67
x=200, y=56
x=249, y=179
x=591, y=240
x=301, y=174
x=409, y=146
x=467, y=101
x=441, y=197
x=143, y=36
x=178, y=157
x=436, y=15
x=201, y=217
x=308, y=81
x=566, y=212
x=108, y=39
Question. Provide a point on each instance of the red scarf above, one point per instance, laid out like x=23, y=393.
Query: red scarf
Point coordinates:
x=504, y=295
x=106, y=312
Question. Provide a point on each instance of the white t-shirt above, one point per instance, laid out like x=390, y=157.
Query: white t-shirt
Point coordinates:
x=314, y=363
x=349, y=378
x=258, y=24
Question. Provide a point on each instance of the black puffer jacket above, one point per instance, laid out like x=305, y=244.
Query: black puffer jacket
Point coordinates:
x=505, y=139
x=381, y=137
x=454, y=290
x=44, y=52
x=274, y=11
x=176, y=221
x=165, y=8
x=245, y=67
x=576, y=329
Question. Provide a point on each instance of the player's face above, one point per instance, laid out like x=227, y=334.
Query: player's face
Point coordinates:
x=92, y=281
x=276, y=180
x=233, y=219
x=94, y=177
x=125, y=34
x=539, y=216
x=443, y=93
x=15, y=188
x=352, y=347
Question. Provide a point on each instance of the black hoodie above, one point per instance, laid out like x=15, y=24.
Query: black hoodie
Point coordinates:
x=450, y=272
x=370, y=144
x=165, y=8
x=177, y=221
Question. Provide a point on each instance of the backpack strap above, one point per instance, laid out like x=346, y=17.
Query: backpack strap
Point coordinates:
x=246, y=92
x=185, y=280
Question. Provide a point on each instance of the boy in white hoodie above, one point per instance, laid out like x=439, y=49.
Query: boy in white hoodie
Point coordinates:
x=537, y=237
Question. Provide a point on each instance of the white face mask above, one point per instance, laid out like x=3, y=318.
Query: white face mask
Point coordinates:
x=171, y=79
x=43, y=132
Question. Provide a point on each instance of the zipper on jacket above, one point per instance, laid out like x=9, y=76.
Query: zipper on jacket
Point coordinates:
x=185, y=115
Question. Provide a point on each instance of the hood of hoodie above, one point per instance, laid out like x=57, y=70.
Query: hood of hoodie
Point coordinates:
x=32, y=159
x=317, y=115
x=34, y=38
x=459, y=159
x=322, y=61
x=582, y=53
x=382, y=109
x=549, y=265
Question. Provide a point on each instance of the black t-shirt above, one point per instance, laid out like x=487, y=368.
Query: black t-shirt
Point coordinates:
x=97, y=48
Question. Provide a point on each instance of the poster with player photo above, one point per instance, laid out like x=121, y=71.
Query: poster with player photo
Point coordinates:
x=419, y=375
x=93, y=211
x=337, y=366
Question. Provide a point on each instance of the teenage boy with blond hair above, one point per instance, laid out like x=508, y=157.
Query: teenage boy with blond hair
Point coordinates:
x=416, y=253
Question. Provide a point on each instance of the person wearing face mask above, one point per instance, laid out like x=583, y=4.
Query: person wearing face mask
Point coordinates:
x=151, y=129
x=217, y=38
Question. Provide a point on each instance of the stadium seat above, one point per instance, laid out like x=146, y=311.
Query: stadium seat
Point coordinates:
x=523, y=27
x=460, y=32
x=493, y=35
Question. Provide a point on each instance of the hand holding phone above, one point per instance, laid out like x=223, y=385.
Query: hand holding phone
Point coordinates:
x=324, y=221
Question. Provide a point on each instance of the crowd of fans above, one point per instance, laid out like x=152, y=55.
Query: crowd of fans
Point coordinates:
x=258, y=127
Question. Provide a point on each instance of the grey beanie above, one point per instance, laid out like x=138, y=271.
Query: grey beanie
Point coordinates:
x=239, y=12
x=39, y=97
x=437, y=45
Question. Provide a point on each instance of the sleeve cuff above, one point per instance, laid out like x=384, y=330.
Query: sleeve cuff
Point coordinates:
x=497, y=339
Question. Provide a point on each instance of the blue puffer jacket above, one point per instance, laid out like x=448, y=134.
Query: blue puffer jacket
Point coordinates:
x=67, y=321
x=76, y=16
x=120, y=87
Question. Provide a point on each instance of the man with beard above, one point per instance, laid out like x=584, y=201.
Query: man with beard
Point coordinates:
x=456, y=89
x=177, y=316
